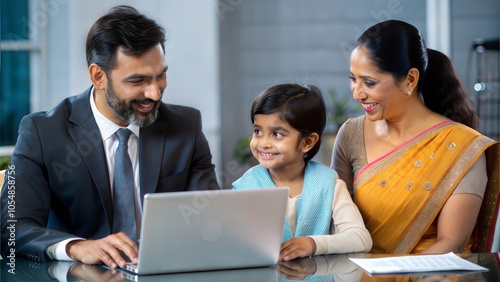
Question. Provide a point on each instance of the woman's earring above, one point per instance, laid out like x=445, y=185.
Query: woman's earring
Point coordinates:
x=408, y=92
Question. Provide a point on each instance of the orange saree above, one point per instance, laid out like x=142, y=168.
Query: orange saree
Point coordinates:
x=400, y=194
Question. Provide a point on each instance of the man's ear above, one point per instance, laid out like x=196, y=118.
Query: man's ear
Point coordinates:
x=98, y=77
x=309, y=142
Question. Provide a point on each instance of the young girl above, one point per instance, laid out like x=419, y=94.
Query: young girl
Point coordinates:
x=288, y=121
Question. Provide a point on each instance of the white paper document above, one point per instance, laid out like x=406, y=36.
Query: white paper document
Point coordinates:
x=416, y=263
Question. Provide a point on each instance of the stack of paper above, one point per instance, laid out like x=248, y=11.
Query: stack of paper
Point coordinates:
x=416, y=263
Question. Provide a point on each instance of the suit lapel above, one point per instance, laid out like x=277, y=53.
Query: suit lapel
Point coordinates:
x=88, y=139
x=151, y=144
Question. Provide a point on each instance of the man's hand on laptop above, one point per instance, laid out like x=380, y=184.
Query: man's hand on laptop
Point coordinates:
x=108, y=250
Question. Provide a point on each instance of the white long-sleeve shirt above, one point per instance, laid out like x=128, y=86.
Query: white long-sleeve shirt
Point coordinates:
x=347, y=232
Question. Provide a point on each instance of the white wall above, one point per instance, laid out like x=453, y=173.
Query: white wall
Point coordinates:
x=191, y=51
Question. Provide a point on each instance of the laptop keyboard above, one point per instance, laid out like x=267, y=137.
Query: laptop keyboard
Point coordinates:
x=132, y=267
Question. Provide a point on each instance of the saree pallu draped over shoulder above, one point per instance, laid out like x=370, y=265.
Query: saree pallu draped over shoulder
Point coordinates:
x=401, y=193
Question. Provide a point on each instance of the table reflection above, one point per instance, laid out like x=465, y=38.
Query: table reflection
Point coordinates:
x=316, y=268
x=339, y=268
x=27, y=270
x=321, y=268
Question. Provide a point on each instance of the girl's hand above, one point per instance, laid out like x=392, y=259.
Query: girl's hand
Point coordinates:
x=297, y=248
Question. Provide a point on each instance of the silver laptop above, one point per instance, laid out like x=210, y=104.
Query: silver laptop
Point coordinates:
x=210, y=230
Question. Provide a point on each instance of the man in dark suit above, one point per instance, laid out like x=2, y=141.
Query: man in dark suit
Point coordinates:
x=59, y=202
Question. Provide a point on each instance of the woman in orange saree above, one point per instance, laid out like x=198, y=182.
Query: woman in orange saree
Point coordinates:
x=417, y=168
x=401, y=194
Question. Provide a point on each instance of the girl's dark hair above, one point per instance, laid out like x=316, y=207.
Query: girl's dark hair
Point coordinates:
x=121, y=26
x=300, y=106
x=396, y=46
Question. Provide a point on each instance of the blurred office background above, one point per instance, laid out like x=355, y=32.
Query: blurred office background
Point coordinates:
x=222, y=53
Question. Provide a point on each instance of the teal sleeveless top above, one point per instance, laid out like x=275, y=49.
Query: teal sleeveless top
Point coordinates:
x=314, y=207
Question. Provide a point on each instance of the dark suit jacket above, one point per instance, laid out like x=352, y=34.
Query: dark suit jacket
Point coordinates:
x=62, y=187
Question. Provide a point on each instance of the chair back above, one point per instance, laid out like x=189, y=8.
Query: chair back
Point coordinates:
x=487, y=233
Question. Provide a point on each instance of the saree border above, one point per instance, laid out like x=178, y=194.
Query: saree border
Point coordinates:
x=442, y=192
x=381, y=164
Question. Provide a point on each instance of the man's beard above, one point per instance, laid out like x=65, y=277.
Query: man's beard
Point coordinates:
x=126, y=110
